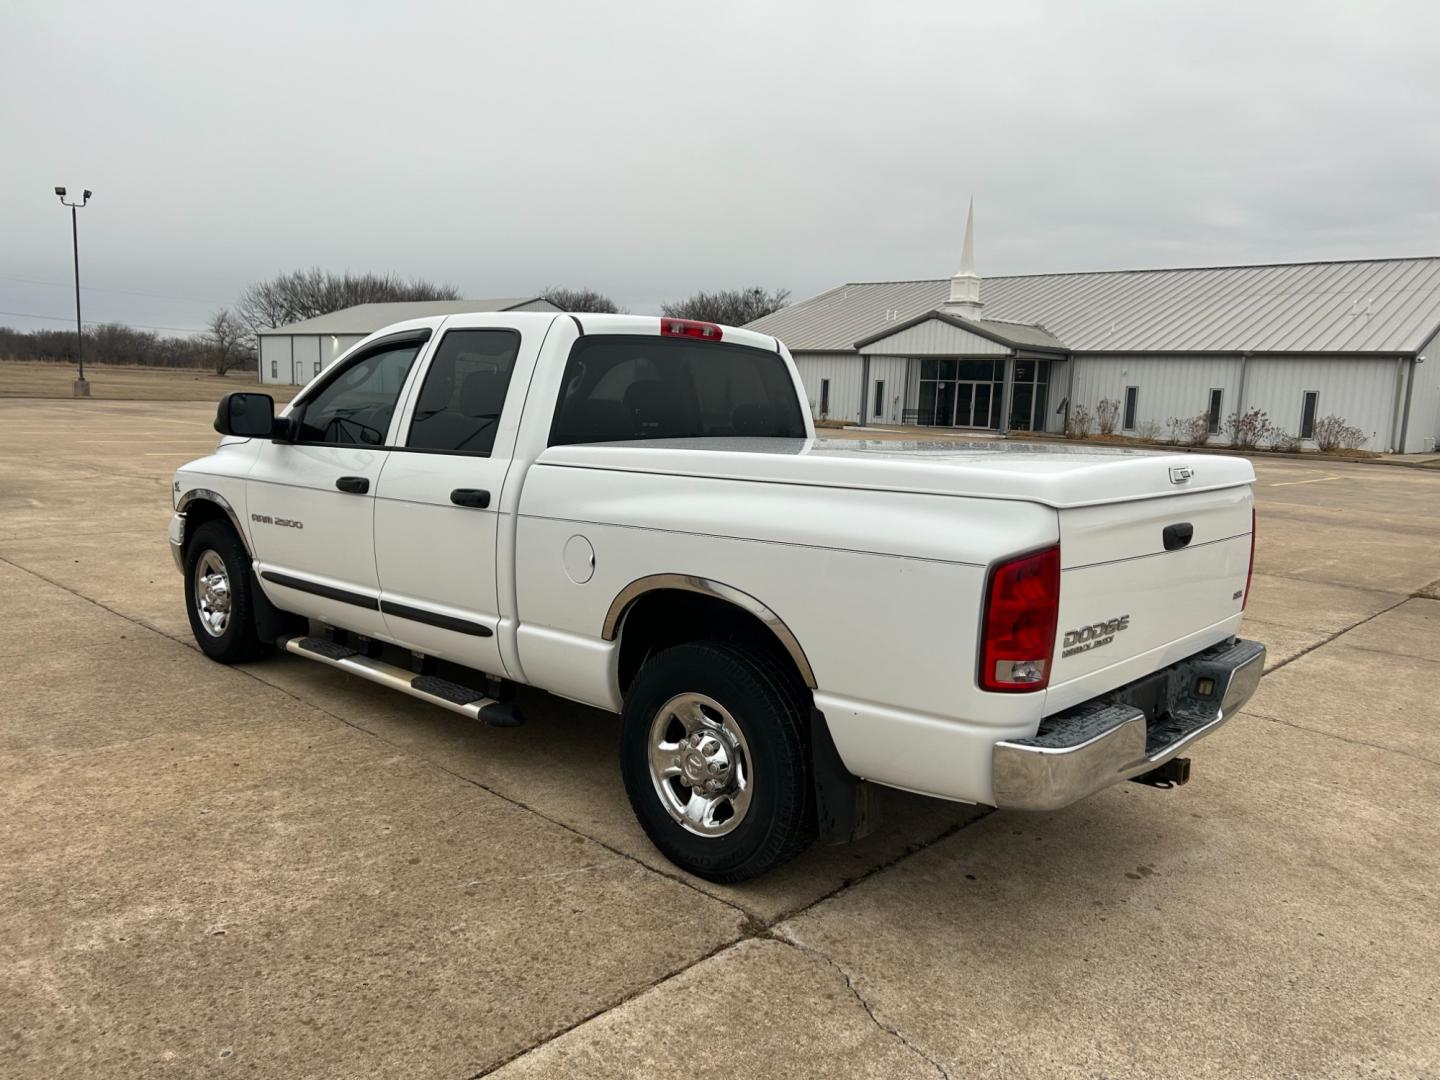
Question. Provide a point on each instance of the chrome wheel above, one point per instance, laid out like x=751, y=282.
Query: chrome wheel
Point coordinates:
x=212, y=593
x=700, y=765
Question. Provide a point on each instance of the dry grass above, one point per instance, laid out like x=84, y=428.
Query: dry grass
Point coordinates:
x=22, y=378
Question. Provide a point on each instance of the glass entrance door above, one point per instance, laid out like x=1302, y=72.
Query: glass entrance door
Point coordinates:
x=959, y=393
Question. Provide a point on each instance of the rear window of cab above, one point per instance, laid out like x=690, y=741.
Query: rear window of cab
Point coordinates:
x=622, y=388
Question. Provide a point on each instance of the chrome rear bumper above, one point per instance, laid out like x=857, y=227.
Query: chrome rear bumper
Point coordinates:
x=1128, y=732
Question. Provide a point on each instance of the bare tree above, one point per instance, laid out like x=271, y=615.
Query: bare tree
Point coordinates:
x=304, y=294
x=579, y=300
x=227, y=338
x=733, y=307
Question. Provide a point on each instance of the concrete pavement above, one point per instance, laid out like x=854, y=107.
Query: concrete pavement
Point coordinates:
x=279, y=870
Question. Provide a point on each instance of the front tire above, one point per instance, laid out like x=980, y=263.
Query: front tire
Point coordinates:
x=218, y=595
x=715, y=756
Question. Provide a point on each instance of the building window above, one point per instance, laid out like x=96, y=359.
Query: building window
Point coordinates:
x=824, y=397
x=1132, y=403
x=317, y=367
x=274, y=369
x=1308, y=406
x=961, y=393
x=1217, y=398
x=879, y=399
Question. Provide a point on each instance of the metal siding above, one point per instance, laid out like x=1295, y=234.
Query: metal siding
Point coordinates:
x=843, y=371
x=277, y=349
x=1167, y=386
x=935, y=338
x=890, y=370
x=1422, y=432
x=307, y=352
x=1360, y=391
x=1382, y=305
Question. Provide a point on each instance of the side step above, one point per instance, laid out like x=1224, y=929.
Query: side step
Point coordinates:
x=431, y=688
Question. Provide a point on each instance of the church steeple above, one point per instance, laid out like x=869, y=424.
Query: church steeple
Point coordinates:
x=965, y=285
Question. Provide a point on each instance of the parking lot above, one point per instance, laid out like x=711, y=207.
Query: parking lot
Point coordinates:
x=278, y=870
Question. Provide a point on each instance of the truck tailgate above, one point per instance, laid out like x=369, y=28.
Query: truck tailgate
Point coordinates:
x=1143, y=581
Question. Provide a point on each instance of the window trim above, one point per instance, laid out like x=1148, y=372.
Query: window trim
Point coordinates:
x=274, y=369
x=1127, y=413
x=1215, y=413
x=409, y=407
x=824, y=406
x=879, y=399
x=1314, y=415
x=316, y=386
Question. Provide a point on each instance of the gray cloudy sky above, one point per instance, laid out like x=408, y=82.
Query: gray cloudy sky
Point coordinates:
x=649, y=149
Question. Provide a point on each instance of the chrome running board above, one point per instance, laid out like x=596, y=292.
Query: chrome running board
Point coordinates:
x=437, y=691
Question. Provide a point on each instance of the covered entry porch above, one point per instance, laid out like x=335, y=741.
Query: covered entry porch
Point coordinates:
x=970, y=374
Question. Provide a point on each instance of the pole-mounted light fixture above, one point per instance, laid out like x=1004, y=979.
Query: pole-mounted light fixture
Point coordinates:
x=82, y=388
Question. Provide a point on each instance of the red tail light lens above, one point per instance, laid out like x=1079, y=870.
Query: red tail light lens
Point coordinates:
x=1250, y=571
x=1022, y=605
x=689, y=328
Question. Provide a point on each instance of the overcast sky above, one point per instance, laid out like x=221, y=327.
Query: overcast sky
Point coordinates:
x=650, y=149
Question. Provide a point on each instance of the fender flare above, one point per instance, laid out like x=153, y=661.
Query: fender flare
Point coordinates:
x=720, y=591
x=206, y=495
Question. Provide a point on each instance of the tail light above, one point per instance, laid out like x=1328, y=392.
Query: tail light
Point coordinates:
x=689, y=328
x=1022, y=605
x=1250, y=570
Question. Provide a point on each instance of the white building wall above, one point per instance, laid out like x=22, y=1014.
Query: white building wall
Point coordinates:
x=1422, y=433
x=891, y=370
x=305, y=355
x=1362, y=391
x=1166, y=386
x=274, y=351
x=843, y=371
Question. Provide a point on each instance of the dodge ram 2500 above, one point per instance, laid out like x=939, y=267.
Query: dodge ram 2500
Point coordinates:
x=635, y=513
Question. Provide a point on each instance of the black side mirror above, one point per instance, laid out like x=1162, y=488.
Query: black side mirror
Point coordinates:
x=250, y=416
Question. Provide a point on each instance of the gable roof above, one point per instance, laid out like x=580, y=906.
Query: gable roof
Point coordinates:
x=367, y=318
x=1015, y=335
x=1377, y=305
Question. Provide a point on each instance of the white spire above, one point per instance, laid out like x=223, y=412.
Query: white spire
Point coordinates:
x=965, y=284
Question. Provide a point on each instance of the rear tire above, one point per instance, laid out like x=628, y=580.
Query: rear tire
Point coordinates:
x=714, y=750
x=218, y=595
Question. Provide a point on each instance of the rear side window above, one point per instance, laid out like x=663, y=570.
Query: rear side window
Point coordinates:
x=464, y=392
x=620, y=388
x=354, y=408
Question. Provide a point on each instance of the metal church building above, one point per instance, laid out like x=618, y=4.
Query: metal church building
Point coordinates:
x=1299, y=340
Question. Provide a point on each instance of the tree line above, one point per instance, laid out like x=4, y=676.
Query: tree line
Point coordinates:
x=230, y=343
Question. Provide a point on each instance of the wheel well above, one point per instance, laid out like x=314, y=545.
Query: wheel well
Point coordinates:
x=198, y=512
x=665, y=617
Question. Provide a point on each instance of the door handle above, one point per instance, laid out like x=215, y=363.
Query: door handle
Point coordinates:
x=476, y=497
x=355, y=485
x=1177, y=535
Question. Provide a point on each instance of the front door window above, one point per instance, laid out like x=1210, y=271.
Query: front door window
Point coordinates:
x=960, y=393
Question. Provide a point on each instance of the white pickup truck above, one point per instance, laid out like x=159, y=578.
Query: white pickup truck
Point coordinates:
x=634, y=513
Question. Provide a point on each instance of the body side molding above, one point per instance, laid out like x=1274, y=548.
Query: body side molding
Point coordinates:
x=707, y=587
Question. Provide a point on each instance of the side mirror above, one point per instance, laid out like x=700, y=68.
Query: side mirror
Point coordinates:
x=250, y=416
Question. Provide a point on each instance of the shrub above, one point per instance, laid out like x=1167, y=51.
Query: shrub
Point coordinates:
x=1282, y=442
x=1107, y=415
x=1148, y=430
x=1333, y=433
x=1249, y=429
x=1077, y=424
x=1189, y=430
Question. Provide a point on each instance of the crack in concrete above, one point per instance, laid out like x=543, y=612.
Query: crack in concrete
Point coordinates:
x=889, y=1029
x=1341, y=738
x=1337, y=634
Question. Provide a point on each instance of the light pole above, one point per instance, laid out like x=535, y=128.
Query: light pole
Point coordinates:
x=82, y=388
